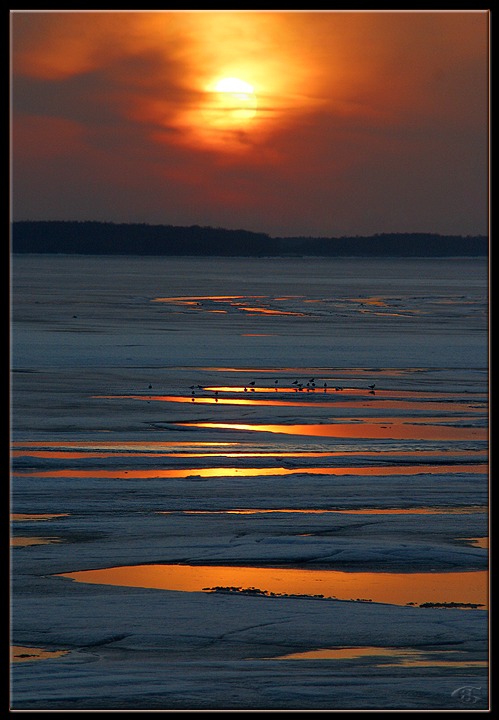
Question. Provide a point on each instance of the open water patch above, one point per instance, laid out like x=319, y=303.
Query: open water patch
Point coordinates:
x=389, y=656
x=467, y=589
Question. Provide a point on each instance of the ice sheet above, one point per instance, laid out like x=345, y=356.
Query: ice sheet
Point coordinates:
x=89, y=337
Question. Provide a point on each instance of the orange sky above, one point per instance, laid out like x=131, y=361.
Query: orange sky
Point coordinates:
x=359, y=122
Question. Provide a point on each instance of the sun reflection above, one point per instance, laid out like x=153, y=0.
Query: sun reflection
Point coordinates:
x=68, y=454
x=19, y=653
x=402, y=657
x=16, y=517
x=377, y=404
x=28, y=541
x=481, y=542
x=389, y=428
x=383, y=587
x=232, y=301
x=269, y=311
x=226, y=472
x=197, y=299
x=369, y=301
x=326, y=372
x=122, y=445
x=346, y=391
x=414, y=662
x=352, y=511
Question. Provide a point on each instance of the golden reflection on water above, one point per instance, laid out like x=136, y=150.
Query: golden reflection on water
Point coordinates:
x=222, y=472
x=438, y=663
x=204, y=400
x=369, y=301
x=27, y=541
x=326, y=373
x=223, y=400
x=403, y=657
x=269, y=311
x=357, y=511
x=194, y=298
x=75, y=455
x=230, y=300
x=482, y=542
x=382, y=587
x=111, y=452
x=388, y=428
x=122, y=445
x=19, y=653
x=345, y=391
x=33, y=517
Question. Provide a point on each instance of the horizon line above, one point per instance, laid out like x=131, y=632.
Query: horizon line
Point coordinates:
x=260, y=232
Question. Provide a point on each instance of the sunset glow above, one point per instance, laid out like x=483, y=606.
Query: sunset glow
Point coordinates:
x=249, y=259
x=232, y=102
x=250, y=116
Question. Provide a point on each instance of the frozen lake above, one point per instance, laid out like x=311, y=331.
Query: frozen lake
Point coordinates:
x=247, y=484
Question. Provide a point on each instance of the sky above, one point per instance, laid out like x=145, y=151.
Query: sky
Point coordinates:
x=293, y=123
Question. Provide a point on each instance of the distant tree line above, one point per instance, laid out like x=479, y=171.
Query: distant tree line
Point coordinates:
x=107, y=238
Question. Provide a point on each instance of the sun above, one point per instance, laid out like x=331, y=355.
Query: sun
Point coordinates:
x=235, y=86
x=231, y=102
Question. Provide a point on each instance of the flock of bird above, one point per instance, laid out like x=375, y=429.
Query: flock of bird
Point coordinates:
x=309, y=386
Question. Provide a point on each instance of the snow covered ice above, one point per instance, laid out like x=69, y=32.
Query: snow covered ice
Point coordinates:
x=306, y=414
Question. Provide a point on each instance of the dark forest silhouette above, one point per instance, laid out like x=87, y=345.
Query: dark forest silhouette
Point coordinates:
x=107, y=238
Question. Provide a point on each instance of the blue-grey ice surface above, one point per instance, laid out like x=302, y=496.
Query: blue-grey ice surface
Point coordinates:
x=97, y=341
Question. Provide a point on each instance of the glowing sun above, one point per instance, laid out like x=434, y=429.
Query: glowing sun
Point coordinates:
x=232, y=102
x=235, y=86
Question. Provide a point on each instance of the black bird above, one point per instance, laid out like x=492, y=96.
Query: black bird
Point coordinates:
x=150, y=387
x=372, y=386
x=251, y=383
